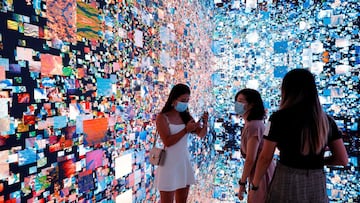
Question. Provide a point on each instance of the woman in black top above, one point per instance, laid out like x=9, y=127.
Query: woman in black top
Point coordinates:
x=301, y=131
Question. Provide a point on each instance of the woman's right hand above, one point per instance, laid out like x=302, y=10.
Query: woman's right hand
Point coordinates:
x=191, y=126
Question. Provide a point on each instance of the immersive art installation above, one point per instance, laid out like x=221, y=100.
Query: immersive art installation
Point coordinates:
x=82, y=81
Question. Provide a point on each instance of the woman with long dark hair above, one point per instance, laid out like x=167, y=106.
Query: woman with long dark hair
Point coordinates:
x=174, y=124
x=301, y=131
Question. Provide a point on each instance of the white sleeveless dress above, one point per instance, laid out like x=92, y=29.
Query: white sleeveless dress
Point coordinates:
x=177, y=170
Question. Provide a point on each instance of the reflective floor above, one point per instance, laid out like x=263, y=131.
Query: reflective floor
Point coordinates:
x=217, y=181
x=217, y=176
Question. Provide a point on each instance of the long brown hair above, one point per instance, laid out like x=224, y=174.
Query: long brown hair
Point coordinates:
x=298, y=89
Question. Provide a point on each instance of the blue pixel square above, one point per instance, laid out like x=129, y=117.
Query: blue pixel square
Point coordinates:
x=103, y=86
x=357, y=54
x=60, y=122
x=327, y=21
x=280, y=71
x=280, y=47
x=216, y=47
x=326, y=92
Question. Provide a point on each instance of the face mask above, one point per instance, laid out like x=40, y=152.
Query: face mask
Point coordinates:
x=181, y=106
x=239, y=108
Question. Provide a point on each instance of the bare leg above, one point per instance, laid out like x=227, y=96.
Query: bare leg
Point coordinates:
x=167, y=197
x=182, y=194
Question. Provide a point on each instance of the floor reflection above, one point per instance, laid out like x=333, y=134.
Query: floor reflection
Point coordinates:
x=218, y=166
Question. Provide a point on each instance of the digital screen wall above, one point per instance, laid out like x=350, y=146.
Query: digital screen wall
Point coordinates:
x=81, y=82
x=80, y=85
x=255, y=43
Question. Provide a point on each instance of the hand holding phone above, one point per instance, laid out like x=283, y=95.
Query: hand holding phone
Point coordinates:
x=191, y=125
x=204, y=119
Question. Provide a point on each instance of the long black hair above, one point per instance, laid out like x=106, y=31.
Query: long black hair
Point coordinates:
x=257, y=112
x=298, y=90
x=175, y=93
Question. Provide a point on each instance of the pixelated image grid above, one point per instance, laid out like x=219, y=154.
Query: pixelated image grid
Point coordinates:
x=82, y=81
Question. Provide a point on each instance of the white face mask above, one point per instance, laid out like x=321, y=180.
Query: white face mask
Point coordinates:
x=239, y=108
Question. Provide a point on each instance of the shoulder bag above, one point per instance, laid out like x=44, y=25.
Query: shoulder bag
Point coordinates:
x=156, y=154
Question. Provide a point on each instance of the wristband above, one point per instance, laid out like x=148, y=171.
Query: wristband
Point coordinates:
x=253, y=187
x=242, y=183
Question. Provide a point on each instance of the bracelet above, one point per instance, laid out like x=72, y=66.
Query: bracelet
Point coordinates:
x=253, y=187
x=242, y=183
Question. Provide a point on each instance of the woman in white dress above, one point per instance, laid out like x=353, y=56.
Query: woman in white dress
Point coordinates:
x=174, y=124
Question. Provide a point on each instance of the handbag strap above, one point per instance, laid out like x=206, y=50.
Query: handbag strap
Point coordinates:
x=154, y=143
x=156, y=135
x=157, y=132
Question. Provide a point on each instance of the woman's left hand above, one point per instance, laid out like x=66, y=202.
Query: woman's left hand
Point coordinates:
x=242, y=191
x=205, y=117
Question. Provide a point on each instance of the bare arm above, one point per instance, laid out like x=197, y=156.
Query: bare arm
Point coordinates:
x=162, y=127
x=339, y=155
x=264, y=160
x=251, y=152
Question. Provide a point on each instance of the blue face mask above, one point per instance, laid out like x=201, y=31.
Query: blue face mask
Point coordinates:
x=181, y=106
x=239, y=108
